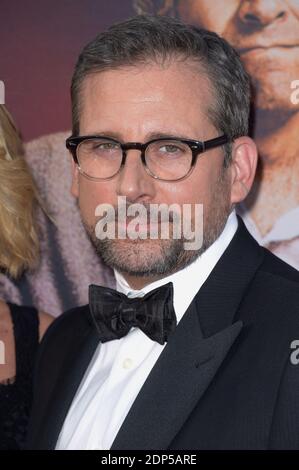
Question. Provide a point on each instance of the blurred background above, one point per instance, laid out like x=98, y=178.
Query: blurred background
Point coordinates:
x=39, y=45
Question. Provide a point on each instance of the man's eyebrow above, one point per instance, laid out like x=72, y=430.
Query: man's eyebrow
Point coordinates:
x=151, y=136
x=162, y=135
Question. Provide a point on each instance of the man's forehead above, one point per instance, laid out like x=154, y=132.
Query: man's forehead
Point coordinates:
x=146, y=79
x=146, y=89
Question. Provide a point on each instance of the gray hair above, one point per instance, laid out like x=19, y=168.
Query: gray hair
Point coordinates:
x=145, y=38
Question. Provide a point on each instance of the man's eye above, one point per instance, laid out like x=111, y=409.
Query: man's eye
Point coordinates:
x=105, y=146
x=170, y=149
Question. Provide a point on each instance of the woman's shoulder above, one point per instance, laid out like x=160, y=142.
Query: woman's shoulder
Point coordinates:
x=21, y=328
x=7, y=368
x=12, y=313
x=5, y=319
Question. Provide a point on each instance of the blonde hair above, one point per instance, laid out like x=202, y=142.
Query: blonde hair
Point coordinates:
x=19, y=246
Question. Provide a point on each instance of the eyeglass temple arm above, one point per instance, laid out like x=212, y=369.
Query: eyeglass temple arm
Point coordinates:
x=212, y=143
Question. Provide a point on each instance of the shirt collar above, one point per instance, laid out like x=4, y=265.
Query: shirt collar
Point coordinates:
x=189, y=280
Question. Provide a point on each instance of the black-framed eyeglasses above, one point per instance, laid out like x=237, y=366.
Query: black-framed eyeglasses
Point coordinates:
x=100, y=158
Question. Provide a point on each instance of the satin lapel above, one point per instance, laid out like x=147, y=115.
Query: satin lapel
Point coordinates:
x=180, y=377
x=194, y=352
x=70, y=378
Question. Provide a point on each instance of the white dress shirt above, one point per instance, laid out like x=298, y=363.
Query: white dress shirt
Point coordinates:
x=120, y=367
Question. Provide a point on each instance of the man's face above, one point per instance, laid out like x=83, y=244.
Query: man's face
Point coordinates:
x=266, y=34
x=135, y=104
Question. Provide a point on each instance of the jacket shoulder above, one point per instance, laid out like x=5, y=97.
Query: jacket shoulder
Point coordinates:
x=274, y=292
x=69, y=323
x=69, y=328
x=279, y=268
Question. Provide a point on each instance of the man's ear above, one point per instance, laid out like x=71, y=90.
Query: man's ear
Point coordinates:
x=243, y=168
x=75, y=180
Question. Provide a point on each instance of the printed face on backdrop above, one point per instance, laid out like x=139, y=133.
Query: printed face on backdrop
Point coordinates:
x=135, y=104
x=266, y=34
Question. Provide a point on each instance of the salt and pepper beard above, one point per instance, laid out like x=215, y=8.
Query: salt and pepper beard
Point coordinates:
x=148, y=258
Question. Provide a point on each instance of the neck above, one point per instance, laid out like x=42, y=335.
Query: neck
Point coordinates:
x=138, y=283
x=275, y=190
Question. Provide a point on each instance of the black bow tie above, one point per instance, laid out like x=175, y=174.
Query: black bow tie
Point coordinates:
x=114, y=314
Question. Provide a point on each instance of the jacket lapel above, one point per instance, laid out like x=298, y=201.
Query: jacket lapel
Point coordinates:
x=194, y=352
x=187, y=365
x=70, y=377
x=178, y=380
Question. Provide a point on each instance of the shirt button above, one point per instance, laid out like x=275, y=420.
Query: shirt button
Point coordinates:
x=127, y=363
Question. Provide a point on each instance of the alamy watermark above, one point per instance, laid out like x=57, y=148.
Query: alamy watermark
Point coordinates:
x=2, y=353
x=294, y=357
x=151, y=221
x=2, y=92
x=295, y=94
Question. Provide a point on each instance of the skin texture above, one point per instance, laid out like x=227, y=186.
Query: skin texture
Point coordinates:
x=266, y=34
x=135, y=104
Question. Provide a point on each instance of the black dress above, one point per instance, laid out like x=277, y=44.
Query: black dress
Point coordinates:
x=16, y=394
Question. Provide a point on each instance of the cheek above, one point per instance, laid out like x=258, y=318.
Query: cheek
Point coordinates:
x=202, y=180
x=210, y=185
x=91, y=194
x=193, y=190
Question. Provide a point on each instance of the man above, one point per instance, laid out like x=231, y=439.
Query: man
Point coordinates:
x=160, y=115
x=60, y=281
x=266, y=34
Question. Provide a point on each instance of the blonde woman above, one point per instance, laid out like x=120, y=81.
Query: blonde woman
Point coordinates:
x=21, y=328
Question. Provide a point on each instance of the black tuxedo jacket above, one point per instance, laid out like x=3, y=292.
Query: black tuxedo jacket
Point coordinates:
x=225, y=379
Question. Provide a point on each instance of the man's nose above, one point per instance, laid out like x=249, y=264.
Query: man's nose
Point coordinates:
x=256, y=14
x=133, y=180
